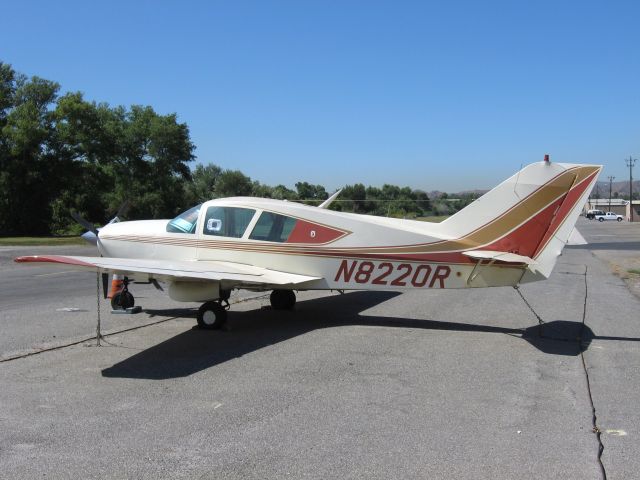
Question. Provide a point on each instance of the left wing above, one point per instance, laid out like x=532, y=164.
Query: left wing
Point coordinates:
x=167, y=270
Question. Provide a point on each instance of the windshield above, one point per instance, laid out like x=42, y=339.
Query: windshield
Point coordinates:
x=185, y=222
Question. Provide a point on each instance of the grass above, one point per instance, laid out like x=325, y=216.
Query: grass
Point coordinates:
x=634, y=271
x=40, y=241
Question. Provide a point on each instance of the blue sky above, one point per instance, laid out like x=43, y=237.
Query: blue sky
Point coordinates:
x=434, y=95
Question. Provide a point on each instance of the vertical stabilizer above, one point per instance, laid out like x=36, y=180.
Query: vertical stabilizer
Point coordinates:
x=531, y=214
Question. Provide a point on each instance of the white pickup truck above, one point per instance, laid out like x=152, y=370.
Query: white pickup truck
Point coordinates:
x=608, y=216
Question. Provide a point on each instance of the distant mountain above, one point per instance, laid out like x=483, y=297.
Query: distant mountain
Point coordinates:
x=621, y=188
x=601, y=187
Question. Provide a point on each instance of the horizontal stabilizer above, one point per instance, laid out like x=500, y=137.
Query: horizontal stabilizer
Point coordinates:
x=500, y=256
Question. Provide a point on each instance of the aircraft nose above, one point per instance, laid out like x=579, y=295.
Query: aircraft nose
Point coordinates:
x=99, y=239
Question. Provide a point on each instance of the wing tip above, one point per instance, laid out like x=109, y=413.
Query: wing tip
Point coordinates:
x=52, y=259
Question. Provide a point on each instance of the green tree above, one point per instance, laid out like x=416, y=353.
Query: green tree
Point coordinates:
x=203, y=183
x=311, y=194
x=114, y=155
x=261, y=190
x=28, y=165
x=151, y=164
x=283, y=193
x=233, y=183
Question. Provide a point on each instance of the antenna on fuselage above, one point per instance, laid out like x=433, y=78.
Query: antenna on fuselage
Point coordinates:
x=328, y=201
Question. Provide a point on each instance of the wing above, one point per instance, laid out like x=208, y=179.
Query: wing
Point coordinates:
x=165, y=270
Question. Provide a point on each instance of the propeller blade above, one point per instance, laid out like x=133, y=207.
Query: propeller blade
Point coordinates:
x=105, y=285
x=123, y=208
x=121, y=211
x=86, y=224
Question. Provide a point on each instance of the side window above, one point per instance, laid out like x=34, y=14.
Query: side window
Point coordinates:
x=227, y=221
x=272, y=227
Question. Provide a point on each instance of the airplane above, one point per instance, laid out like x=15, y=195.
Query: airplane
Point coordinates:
x=511, y=235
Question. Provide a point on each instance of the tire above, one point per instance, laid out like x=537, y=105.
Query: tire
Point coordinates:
x=122, y=301
x=601, y=219
x=211, y=316
x=282, y=299
x=619, y=219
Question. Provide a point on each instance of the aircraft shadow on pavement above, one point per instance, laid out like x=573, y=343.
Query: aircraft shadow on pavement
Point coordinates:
x=196, y=350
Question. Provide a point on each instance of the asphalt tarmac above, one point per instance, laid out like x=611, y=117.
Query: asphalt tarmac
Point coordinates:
x=434, y=384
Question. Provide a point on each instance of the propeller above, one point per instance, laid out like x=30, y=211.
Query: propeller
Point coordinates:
x=91, y=236
x=85, y=223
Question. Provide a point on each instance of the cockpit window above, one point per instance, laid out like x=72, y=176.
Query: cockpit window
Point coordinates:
x=273, y=227
x=185, y=222
x=227, y=221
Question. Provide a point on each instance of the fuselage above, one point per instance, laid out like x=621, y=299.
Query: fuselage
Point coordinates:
x=347, y=251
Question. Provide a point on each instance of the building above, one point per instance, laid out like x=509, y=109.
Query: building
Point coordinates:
x=617, y=206
x=636, y=210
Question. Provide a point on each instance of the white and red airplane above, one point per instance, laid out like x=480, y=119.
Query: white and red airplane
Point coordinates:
x=511, y=235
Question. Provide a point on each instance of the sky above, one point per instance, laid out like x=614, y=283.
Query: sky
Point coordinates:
x=447, y=96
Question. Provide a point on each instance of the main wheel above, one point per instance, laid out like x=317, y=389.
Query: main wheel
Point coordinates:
x=282, y=299
x=211, y=316
x=122, y=301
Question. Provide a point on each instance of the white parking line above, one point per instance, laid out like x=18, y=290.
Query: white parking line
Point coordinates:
x=54, y=273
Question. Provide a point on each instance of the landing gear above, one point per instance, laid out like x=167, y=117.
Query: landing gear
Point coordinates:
x=282, y=299
x=212, y=316
x=123, y=299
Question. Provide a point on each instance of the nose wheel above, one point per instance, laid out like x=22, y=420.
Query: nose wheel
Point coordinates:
x=212, y=316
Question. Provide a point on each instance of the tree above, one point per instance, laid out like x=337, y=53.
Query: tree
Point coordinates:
x=233, y=183
x=311, y=194
x=115, y=155
x=261, y=190
x=283, y=193
x=63, y=154
x=151, y=165
x=203, y=182
x=28, y=173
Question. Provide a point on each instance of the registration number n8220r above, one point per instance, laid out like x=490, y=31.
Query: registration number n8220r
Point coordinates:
x=393, y=274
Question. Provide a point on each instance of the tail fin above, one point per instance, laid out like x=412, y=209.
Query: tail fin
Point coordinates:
x=531, y=214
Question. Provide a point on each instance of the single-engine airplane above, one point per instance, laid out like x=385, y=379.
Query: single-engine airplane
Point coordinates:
x=511, y=235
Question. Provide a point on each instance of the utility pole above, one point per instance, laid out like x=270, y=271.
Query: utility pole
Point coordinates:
x=630, y=163
x=610, y=177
